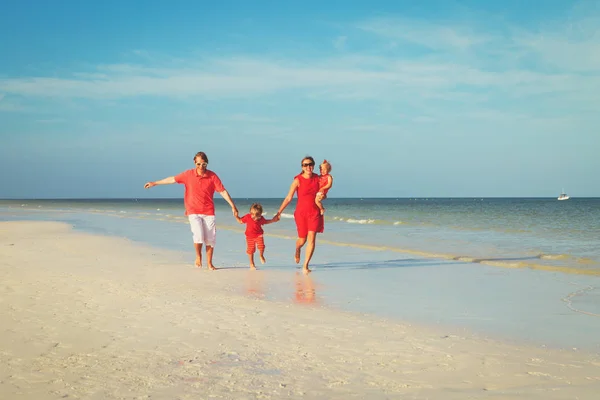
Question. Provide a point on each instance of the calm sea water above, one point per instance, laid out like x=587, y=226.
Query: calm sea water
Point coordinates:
x=532, y=232
x=364, y=260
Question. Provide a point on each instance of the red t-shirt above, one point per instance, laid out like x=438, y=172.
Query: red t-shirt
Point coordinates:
x=199, y=191
x=253, y=228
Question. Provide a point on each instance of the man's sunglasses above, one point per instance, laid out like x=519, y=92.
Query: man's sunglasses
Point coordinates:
x=202, y=164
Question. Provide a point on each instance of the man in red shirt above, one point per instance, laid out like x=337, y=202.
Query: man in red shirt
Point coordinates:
x=200, y=187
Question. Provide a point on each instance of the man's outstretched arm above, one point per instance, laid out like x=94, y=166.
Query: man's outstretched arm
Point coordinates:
x=166, y=181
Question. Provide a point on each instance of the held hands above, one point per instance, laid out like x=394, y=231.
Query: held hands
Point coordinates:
x=235, y=212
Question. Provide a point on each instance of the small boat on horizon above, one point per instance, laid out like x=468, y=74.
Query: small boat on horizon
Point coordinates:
x=563, y=196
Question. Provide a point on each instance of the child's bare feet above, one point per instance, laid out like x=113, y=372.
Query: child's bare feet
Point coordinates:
x=198, y=262
x=253, y=267
x=262, y=259
x=297, y=255
x=212, y=267
x=306, y=270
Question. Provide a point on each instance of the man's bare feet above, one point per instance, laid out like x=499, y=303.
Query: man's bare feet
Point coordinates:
x=253, y=267
x=212, y=267
x=306, y=270
x=198, y=262
x=262, y=259
x=297, y=255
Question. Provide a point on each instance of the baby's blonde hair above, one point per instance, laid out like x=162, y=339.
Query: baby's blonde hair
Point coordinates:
x=257, y=208
x=327, y=166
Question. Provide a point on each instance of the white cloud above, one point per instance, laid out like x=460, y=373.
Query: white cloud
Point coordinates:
x=572, y=44
x=51, y=121
x=370, y=127
x=249, y=118
x=141, y=53
x=337, y=77
x=10, y=105
x=430, y=35
x=340, y=42
x=240, y=77
x=463, y=67
x=565, y=53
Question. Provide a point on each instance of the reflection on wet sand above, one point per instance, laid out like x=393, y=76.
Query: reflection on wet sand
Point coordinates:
x=305, y=289
x=255, y=284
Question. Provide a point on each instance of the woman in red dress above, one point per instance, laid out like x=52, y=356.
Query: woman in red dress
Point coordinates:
x=309, y=220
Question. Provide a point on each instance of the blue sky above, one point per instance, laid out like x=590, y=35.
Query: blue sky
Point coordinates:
x=405, y=98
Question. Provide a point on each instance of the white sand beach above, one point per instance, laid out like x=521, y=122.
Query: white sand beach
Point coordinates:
x=95, y=317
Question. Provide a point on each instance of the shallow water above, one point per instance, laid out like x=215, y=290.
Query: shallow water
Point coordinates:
x=543, y=307
x=538, y=233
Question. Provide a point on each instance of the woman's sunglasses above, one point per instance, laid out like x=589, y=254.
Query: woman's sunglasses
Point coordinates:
x=312, y=164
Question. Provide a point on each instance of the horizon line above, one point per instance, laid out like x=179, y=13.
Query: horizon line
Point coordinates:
x=271, y=198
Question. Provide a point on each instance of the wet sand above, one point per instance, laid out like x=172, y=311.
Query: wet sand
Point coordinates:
x=96, y=317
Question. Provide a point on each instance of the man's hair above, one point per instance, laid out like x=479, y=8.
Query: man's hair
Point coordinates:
x=256, y=207
x=202, y=156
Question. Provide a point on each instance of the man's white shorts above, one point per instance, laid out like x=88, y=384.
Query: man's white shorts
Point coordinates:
x=204, y=229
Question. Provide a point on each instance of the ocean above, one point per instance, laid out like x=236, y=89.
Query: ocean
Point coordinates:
x=513, y=232
x=519, y=268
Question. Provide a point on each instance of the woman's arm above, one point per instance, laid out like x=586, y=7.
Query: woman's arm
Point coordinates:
x=288, y=198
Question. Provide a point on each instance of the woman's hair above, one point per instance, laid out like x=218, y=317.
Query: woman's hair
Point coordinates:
x=327, y=166
x=202, y=156
x=312, y=160
x=257, y=208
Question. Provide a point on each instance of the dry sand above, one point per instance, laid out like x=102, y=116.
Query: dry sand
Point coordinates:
x=93, y=317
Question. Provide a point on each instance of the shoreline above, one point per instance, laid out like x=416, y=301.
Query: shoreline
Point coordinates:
x=540, y=261
x=516, y=305
x=91, y=316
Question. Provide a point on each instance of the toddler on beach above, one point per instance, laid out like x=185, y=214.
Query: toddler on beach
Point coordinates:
x=325, y=183
x=254, y=232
